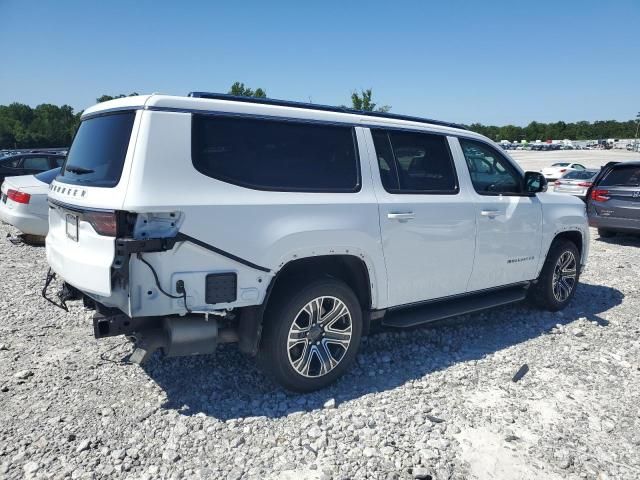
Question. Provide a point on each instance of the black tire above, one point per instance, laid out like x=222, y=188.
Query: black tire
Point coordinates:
x=274, y=354
x=544, y=293
x=604, y=233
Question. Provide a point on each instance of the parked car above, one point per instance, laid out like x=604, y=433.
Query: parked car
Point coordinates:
x=289, y=228
x=24, y=202
x=575, y=182
x=556, y=170
x=29, y=163
x=613, y=202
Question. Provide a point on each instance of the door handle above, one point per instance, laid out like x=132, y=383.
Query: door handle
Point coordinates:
x=490, y=213
x=401, y=216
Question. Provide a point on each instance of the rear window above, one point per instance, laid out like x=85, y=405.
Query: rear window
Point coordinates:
x=560, y=165
x=98, y=151
x=276, y=155
x=623, y=177
x=579, y=175
x=48, y=176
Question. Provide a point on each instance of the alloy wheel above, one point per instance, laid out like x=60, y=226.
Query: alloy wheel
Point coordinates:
x=564, y=276
x=320, y=336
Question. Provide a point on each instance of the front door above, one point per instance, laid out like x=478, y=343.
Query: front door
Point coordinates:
x=509, y=221
x=427, y=223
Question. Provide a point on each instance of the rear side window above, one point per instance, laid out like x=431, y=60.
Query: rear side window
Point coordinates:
x=36, y=163
x=623, y=177
x=578, y=175
x=98, y=151
x=48, y=176
x=414, y=162
x=276, y=155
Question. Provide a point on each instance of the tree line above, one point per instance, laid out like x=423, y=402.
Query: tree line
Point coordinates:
x=47, y=125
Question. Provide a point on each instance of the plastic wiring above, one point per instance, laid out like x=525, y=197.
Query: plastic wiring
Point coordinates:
x=157, y=280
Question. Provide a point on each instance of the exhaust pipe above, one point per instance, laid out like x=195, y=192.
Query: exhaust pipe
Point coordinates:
x=181, y=336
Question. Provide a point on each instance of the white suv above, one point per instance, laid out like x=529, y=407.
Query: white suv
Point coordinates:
x=289, y=228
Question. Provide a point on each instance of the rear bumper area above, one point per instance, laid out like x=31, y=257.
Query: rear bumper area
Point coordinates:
x=24, y=221
x=614, y=223
x=86, y=264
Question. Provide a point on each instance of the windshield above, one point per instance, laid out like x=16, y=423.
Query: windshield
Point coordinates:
x=560, y=165
x=48, y=176
x=622, y=176
x=99, y=148
x=579, y=175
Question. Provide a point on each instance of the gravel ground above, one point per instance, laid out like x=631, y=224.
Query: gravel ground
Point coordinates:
x=436, y=402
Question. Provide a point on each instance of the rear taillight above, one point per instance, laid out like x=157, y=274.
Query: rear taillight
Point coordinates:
x=585, y=184
x=563, y=170
x=557, y=182
x=599, y=195
x=104, y=223
x=18, y=197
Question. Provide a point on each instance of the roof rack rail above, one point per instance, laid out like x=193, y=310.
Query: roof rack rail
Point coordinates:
x=324, y=108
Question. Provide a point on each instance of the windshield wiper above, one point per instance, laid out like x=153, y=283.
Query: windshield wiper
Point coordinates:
x=78, y=170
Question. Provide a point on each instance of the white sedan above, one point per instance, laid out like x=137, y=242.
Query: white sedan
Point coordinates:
x=556, y=170
x=24, y=202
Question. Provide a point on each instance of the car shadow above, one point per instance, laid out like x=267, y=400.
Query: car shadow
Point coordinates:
x=626, y=240
x=230, y=385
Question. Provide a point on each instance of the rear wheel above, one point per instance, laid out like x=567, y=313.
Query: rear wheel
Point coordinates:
x=558, y=279
x=311, y=337
x=604, y=233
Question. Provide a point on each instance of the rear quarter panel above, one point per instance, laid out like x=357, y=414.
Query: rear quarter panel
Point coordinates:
x=264, y=227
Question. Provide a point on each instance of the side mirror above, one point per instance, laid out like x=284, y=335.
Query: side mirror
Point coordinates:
x=534, y=182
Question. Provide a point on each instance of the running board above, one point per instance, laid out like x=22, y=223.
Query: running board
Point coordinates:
x=451, y=307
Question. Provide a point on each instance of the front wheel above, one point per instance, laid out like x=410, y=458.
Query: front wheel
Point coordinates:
x=558, y=279
x=311, y=337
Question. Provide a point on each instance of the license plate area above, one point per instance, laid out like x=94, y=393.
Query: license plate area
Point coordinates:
x=72, y=226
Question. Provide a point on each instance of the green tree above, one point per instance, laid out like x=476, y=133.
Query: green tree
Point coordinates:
x=238, y=89
x=106, y=98
x=363, y=101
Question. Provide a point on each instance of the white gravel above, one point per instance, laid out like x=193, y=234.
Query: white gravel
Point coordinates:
x=436, y=402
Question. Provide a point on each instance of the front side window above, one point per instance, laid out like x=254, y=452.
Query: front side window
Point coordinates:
x=276, y=155
x=14, y=163
x=491, y=173
x=414, y=162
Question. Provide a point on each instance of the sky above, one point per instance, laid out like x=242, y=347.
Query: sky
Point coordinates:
x=493, y=62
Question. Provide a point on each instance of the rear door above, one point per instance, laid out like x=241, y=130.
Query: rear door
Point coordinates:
x=84, y=199
x=509, y=222
x=427, y=223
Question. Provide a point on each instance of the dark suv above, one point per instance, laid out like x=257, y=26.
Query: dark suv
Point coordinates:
x=29, y=163
x=613, y=202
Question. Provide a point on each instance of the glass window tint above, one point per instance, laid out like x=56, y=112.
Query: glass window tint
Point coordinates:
x=579, y=175
x=58, y=161
x=386, y=163
x=36, y=163
x=421, y=162
x=98, y=151
x=622, y=176
x=276, y=155
x=14, y=163
x=48, y=176
x=491, y=173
